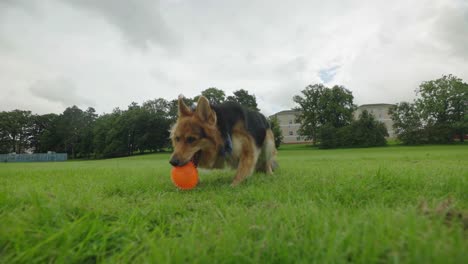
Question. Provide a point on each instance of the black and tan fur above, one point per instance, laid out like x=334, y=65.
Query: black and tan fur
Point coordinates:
x=203, y=136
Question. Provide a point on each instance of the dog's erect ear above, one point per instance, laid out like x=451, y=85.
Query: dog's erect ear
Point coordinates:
x=183, y=108
x=204, y=111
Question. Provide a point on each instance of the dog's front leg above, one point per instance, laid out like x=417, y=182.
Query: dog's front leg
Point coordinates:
x=244, y=148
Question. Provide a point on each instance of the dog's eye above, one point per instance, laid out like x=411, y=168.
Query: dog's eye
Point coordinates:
x=191, y=140
x=177, y=139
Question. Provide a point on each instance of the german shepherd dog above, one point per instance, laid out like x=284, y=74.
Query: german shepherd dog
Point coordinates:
x=213, y=135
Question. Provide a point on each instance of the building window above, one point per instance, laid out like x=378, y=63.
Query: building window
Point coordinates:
x=290, y=121
x=290, y=133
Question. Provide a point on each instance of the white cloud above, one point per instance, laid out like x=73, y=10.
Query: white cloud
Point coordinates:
x=117, y=52
x=60, y=90
x=139, y=21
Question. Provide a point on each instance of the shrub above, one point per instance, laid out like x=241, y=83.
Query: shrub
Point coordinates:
x=364, y=132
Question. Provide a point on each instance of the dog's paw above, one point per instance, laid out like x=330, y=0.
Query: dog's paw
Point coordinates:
x=235, y=183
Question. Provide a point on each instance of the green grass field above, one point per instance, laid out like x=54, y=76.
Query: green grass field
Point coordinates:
x=321, y=206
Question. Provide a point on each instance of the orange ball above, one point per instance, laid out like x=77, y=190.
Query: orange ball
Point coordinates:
x=185, y=177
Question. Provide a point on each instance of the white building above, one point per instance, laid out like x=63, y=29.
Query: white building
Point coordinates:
x=289, y=127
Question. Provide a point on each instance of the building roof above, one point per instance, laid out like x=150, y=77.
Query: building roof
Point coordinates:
x=368, y=105
x=292, y=111
x=284, y=112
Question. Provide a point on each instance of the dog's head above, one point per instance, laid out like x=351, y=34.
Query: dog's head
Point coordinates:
x=194, y=136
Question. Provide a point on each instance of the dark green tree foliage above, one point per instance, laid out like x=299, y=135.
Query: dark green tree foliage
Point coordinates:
x=6, y=145
x=310, y=110
x=437, y=116
x=157, y=130
x=74, y=128
x=407, y=123
x=15, y=128
x=50, y=139
x=443, y=105
x=137, y=129
x=5, y=141
x=41, y=131
x=109, y=137
x=363, y=132
x=326, y=117
x=156, y=136
x=338, y=106
x=245, y=99
x=85, y=144
x=275, y=128
x=84, y=134
x=159, y=106
x=145, y=129
x=67, y=129
x=320, y=106
x=213, y=94
x=132, y=122
x=329, y=137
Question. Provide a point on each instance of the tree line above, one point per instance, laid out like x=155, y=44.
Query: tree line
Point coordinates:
x=438, y=115
x=85, y=134
x=326, y=118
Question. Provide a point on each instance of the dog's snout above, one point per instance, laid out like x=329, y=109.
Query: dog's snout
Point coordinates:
x=174, y=161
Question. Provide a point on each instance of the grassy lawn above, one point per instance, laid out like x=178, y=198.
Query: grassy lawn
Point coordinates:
x=321, y=206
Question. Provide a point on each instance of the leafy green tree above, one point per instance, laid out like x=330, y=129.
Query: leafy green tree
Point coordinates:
x=134, y=123
x=213, y=94
x=338, y=106
x=244, y=98
x=156, y=134
x=158, y=106
x=41, y=128
x=276, y=129
x=461, y=126
x=443, y=105
x=320, y=106
x=328, y=135
x=110, y=135
x=15, y=126
x=71, y=132
x=50, y=138
x=85, y=144
x=69, y=126
x=137, y=129
x=6, y=144
x=365, y=132
x=407, y=123
x=310, y=110
x=436, y=116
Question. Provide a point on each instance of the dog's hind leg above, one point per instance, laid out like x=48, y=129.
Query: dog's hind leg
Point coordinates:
x=246, y=152
x=269, y=152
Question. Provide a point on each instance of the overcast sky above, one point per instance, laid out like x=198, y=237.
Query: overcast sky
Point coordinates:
x=108, y=53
